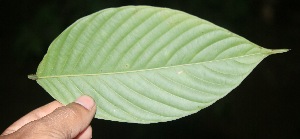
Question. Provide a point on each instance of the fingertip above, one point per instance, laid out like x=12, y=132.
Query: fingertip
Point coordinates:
x=73, y=119
x=86, y=101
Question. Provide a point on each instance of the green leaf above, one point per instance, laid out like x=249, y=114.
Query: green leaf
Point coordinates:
x=145, y=64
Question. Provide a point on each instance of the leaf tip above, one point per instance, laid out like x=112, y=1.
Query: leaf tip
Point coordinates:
x=32, y=77
x=276, y=51
x=281, y=50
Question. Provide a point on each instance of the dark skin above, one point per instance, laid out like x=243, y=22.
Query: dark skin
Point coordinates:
x=55, y=121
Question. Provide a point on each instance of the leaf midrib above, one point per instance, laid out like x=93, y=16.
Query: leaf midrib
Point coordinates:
x=151, y=69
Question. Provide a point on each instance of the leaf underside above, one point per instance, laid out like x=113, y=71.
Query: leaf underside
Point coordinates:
x=145, y=64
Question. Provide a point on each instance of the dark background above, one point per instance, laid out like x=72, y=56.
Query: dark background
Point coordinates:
x=265, y=105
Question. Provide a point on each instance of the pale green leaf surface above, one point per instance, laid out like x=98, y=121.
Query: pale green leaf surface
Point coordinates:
x=146, y=64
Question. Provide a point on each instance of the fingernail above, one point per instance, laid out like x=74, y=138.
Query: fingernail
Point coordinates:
x=86, y=102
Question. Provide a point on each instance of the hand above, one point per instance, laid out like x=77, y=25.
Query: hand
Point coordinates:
x=55, y=121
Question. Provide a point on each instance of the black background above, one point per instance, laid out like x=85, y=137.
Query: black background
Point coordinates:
x=265, y=105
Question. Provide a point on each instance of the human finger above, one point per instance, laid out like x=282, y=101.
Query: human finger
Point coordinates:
x=64, y=122
x=31, y=116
